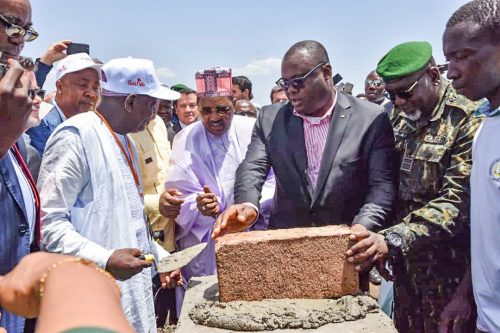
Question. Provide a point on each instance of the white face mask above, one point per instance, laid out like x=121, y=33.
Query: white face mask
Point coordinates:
x=414, y=116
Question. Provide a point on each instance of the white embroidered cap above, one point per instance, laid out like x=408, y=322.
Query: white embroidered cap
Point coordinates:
x=75, y=63
x=125, y=76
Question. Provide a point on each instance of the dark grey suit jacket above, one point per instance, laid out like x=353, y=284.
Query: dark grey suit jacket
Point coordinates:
x=357, y=181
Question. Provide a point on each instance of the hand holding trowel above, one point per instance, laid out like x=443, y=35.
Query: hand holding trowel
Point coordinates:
x=175, y=261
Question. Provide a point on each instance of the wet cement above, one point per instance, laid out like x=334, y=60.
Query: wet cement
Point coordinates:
x=202, y=312
x=269, y=315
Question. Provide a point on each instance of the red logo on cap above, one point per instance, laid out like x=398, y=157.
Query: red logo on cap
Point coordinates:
x=62, y=68
x=138, y=82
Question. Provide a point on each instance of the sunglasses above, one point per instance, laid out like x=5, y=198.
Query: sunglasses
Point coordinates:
x=13, y=30
x=376, y=83
x=408, y=93
x=298, y=82
x=221, y=110
x=32, y=93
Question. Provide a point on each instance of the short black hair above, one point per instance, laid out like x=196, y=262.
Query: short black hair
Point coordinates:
x=185, y=91
x=243, y=83
x=314, y=50
x=485, y=13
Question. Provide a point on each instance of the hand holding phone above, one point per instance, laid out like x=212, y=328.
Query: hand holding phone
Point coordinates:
x=15, y=104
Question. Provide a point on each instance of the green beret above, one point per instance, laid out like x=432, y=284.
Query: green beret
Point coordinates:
x=178, y=87
x=404, y=59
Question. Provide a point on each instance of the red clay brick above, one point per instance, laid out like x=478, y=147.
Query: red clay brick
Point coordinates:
x=286, y=263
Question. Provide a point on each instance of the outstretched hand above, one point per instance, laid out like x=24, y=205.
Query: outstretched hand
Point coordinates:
x=236, y=218
x=55, y=52
x=20, y=288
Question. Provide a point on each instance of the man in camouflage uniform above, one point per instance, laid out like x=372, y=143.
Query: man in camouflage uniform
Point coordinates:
x=428, y=245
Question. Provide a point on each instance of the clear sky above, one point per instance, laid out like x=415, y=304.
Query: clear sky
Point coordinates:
x=251, y=37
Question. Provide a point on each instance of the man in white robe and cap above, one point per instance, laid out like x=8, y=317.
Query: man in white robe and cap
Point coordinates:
x=200, y=181
x=92, y=203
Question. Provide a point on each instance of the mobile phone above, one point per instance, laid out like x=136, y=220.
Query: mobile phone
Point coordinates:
x=78, y=48
x=337, y=78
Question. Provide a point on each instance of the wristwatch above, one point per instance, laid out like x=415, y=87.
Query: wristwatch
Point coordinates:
x=394, y=242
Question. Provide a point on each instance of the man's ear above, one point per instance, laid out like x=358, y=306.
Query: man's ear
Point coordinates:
x=58, y=86
x=327, y=71
x=435, y=75
x=129, y=103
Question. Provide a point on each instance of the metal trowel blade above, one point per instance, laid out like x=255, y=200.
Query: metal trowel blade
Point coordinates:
x=180, y=259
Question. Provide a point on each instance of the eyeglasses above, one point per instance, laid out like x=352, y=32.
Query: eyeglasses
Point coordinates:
x=13, y=30
x=221, y=110
x=298, y=82
x=408, y=93
x=376, y=83
x=32, y=93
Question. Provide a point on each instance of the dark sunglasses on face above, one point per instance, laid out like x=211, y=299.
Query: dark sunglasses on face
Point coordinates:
x=221, y=110
x=13, y=30
x=408, y=93
x=376, y=83
x=32, y=93
x=298, y=82
x=251, y=114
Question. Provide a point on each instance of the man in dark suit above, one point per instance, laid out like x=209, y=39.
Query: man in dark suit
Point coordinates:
x=19, y=204
x=333, y=155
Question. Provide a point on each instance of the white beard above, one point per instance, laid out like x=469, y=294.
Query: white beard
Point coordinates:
x=414, y=116
x=33, y=121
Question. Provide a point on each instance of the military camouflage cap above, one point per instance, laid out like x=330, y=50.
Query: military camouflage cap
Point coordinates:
x=404, y=59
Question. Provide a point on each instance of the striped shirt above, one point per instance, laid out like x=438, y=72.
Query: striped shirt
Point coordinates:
x=315, y=134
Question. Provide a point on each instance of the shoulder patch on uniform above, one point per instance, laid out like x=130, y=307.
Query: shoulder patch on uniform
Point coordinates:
x=461, y=102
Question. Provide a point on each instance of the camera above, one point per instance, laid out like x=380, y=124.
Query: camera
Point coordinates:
x=26, y=62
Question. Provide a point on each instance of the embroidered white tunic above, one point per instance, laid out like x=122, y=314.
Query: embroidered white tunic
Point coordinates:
x=91, y=206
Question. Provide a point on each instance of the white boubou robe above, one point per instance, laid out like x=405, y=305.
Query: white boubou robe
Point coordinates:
x=91, y=206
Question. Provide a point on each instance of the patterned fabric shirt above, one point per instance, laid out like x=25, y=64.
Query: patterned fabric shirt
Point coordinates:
x=315, y=134
x=432, y=210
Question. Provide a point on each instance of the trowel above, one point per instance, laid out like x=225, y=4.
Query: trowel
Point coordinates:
x=179, y=259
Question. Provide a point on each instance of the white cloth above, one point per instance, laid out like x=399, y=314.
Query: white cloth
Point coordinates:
x=28, y=197
x=485, y=224
x=90, y=206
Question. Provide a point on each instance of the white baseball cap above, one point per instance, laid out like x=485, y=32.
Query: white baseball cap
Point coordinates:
x=127, y=76
x=75, y=63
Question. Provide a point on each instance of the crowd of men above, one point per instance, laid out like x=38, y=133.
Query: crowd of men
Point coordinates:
x=115, y=165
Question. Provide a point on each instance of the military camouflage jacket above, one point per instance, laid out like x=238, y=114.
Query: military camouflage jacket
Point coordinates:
x=432, y=210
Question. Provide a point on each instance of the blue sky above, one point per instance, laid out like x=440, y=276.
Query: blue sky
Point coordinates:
x=251, y=37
